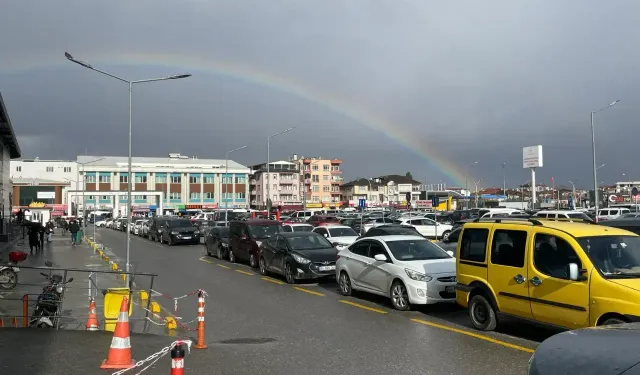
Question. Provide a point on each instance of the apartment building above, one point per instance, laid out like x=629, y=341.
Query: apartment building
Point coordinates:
x=181, y=182
x=283, y=180
x=389, y=190
x=321, y=181
x=9, y=149
x=44, y=181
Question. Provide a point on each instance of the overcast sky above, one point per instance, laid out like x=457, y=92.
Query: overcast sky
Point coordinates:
x=388, y=86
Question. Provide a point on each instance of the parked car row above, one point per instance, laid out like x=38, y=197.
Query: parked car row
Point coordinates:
x=171, y=230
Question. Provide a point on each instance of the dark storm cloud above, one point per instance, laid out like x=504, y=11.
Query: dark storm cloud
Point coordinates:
x=471, y=80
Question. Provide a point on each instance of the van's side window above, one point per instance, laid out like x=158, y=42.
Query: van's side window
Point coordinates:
x=474, y=244
x=552, y=255
x=508, y=248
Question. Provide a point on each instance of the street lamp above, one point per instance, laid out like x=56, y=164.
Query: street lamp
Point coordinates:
x=476, y=183
x=226, y=172
x=130, y=83
x=573, y=192
x=268, y=169
x=504, y=182
x=593, y=149
x=84, y=200
x=466, y=177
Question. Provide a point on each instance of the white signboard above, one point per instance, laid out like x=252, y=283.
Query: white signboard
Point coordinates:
x=532, y=157
x=46, y=195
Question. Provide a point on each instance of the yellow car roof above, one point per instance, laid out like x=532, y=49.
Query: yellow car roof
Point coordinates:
x=578, y=229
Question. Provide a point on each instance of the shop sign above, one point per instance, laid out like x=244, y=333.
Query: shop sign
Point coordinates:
x=37, y=205
x=314, y=205
x=193, y=206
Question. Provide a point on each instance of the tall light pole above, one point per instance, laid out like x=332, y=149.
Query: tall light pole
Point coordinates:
x=573, y=192
x=226, y=172
x=593, y=149
x=476, y=183
x=466, y=178
x=129, y=179
x=268, y=201
x=84, y=200
x=504, y=182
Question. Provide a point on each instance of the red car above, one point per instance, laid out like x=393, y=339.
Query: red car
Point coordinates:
x=316, y=220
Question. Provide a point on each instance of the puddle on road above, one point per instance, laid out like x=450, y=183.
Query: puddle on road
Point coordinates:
x=260, y=340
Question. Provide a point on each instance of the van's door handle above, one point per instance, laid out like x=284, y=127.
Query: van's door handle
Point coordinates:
x=519, y=278
x=536, y=281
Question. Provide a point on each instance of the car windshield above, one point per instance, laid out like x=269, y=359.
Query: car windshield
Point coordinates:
x=615, y=256
x=342, y=232
x=224, y=231
x=263, y=231
x=578, y=215
x=180, y=224
x=416, y=250
x=308, y=241
x=302, y=228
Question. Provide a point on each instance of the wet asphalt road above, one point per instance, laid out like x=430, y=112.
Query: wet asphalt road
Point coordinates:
x=313, y=329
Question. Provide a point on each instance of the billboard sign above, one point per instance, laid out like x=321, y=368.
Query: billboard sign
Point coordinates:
x=46, y=195
x=532, y=157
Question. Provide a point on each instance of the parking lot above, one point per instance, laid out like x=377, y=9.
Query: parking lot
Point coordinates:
x=313, y=321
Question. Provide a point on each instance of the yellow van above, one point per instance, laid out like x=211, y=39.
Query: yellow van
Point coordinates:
x=565, y=274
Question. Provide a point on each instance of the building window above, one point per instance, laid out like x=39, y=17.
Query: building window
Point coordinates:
x=194, y=179
x=325, y=188
x=124, y=178
x=141, y=179
x=161, y=179
x=241, y=180
x=325, y=167
x=49, y=169
x=315, y=178
x=91, y=178
x=104, y=179
x=315, y=188
x=140, y=197
x=316, y=198
x=275, y=197
x=105, y=198
x=240, y=195
x=175, y=195
x=314, y=167
x=274, y=176
x=227, y=179
x=325, y=177
x=208, y=195
x=208, y=179
x=194, y=196
x=18, y=169
x=67, y=169
x=295, y=197
x=91, y=197
x=176, y=179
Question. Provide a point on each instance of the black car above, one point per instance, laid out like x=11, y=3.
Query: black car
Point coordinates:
x=450, y=241
x=156, y=225
x=298, y=255
x=216, y=242
x=204, y=226
x=391, y=230
x=179, y=231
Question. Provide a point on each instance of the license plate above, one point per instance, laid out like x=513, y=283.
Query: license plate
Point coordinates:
x=327, y=268
x=450, y=289
x=187, y=237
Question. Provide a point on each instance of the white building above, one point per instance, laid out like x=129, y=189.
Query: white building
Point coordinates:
x=57, y=172
x=183, y=182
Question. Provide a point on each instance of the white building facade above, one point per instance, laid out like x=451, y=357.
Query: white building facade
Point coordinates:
x=64, y=172
x=182, y=182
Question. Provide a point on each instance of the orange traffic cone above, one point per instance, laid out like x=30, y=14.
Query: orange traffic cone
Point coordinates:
x=119, y=356
x=92, y=320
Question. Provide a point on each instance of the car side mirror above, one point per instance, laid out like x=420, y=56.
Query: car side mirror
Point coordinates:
x=326, y=235
x=451, y=253
x=380, y=257
x=574, y=272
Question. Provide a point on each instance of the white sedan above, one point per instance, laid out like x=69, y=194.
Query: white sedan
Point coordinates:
x=407, y=269
x=427, y=227
x=340, y=236
x=297, y=227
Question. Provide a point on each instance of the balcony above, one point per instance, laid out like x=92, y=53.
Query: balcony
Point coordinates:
x=307, y=180
x=336, y=192
x=334, y=172
x=252, y=181
x=254, y=192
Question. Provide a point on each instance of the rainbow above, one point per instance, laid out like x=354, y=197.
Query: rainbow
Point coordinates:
x=195, y=64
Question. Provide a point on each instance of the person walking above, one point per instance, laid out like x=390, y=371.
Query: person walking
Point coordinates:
x=34, y=238
x=65, y=226
x=49, y=228
x=74, y=228
x=42, y=230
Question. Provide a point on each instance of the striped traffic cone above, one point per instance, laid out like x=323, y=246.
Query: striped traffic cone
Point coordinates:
x=119, y=356
x=200, y=344
x=92, y=320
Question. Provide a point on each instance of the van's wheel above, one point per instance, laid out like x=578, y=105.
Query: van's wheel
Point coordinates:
x=611, y=321
x=219, y=253
x=232, y=256
x=252, y=261
x=482, y=314
x=288, y=274
x=400, y=296
x=263, y=267
x=345, y=284
x=446, y=234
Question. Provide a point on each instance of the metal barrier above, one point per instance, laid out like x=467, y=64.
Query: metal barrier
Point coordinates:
x=76, y=290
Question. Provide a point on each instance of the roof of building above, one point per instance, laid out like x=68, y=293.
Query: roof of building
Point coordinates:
x=37, y=181
x=361, y=182
x=109, y=161
x=38, y=160
x=382, y=180
x=6, y=132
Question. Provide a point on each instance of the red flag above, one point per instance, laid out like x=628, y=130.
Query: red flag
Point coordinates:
x=551, y=180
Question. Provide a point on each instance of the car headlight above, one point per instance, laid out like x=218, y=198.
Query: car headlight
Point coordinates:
x=59, y=289
x=417, y=275
x=174, y=233
x=300, y=259
x=224, y=244
x=196, y=232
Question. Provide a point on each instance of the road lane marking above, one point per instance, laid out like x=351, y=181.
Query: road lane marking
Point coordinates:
x=363, y=307
x=308, y=291
x=206, y=260
x=245, y=272
x=475, y=335
x=223, y=266
x=272, y=280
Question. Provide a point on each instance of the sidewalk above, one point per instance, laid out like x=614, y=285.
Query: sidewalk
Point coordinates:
x=76, y=299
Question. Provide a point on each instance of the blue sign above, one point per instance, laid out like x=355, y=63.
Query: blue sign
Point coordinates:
x=435, y=201
x=362, y=203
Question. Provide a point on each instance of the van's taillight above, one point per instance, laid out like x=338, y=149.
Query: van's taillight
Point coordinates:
x=337, y=257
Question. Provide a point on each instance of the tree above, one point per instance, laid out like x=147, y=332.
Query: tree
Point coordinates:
x=409, y=175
